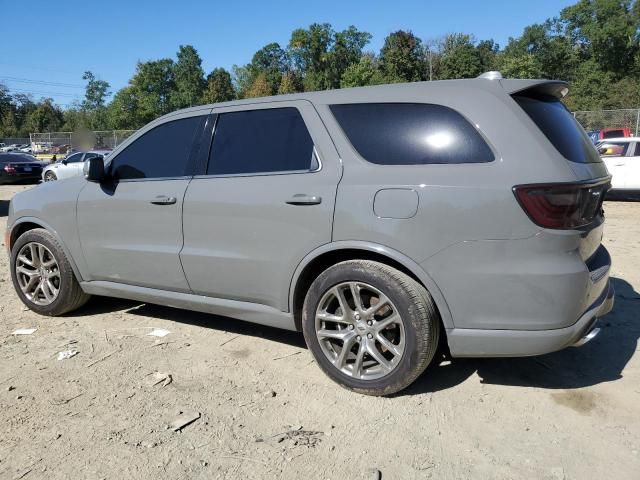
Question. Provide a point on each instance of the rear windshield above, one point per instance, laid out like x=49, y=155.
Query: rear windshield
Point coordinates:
x=559, y=126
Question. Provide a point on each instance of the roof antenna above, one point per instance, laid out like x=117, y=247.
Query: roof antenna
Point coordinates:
x=492, y=75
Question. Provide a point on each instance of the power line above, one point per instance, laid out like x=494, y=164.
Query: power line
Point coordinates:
x=44, y=69
x=40, y=82
x=38, y=92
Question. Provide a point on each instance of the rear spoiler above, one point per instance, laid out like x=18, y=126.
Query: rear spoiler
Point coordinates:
x=557, y=88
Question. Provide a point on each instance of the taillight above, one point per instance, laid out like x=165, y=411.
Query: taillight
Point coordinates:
x=9, y=168
x=562, y=205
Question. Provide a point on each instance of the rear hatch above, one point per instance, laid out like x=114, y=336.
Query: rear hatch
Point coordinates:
x=574, y=206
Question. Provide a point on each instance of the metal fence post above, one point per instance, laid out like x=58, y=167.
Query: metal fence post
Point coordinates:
x=637, y=122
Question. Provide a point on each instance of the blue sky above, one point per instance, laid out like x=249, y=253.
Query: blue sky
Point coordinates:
x=56, y=42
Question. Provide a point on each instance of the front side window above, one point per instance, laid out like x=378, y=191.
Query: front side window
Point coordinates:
x=411, y=134
x=162, y=152
x=261, y=141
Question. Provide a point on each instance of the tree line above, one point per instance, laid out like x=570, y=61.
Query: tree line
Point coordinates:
x=594, y=44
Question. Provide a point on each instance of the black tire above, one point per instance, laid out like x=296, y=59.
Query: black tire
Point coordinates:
x=50, y=176
x=414, y=304
x=70, y=296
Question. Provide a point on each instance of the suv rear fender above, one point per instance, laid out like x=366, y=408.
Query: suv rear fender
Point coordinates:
x=382, y=253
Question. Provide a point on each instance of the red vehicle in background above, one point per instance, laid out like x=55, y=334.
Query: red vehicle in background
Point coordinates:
x=614, y=133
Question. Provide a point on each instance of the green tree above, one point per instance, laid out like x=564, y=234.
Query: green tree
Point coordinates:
x=46, y=117
x=96, y=92
x=365, y=72
x=8, y=124
x=459, y=57
x=606, y=30
x=188, y=78
x=345, y=51
x=241, y=80
x=272, y=62
x=308, y=49
x=123, y=112
x=289, y=83
x=153, y=86
x=6, y=102
x=219, y=87
x=76, y=117
x=260, y=87
x=518, y=66
x=553, y=54
x=93, y=106
x=402, y=58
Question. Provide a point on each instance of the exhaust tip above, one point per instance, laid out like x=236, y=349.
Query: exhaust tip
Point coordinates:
x=593, y=333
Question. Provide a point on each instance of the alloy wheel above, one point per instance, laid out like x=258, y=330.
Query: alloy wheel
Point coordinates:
x=360, y=330
x=38, y=273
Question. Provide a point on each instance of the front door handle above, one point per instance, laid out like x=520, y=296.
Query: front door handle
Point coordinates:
x=304, y=199
x=164, y=200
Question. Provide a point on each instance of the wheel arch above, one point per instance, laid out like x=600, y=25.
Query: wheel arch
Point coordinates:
x=25, y=224
x=329, y=254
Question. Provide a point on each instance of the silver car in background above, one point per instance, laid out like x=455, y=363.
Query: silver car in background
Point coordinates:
x=71, y=165
x=383, y=222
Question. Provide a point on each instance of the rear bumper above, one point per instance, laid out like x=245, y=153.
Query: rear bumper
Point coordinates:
x=20, y=177
x=521, y=343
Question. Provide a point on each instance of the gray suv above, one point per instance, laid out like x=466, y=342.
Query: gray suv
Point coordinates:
x=382, y=222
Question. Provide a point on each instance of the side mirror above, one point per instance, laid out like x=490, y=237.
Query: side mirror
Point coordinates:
x=94, y=169
x=64, y=162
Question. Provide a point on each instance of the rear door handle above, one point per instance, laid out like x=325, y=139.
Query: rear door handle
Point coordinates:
x=304, y=199
x=164, y=200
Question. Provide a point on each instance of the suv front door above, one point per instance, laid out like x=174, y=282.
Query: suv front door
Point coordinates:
x=264, y=201
x=131, y=227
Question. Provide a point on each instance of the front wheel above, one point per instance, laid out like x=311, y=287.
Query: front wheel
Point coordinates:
x=371, y=328
x=50, y=177
x=42, y=275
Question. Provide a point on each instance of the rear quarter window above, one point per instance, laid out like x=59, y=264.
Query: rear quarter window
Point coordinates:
x=411, y=134
x=559, y=126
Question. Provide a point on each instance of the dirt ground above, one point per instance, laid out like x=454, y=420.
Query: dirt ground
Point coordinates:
x=266, y=411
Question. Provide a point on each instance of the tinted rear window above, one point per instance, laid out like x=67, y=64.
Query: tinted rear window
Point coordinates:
x=261, y=141
x=411, y=134
x=559, y=126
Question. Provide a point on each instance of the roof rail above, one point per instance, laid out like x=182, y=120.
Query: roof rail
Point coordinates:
x=492, y=75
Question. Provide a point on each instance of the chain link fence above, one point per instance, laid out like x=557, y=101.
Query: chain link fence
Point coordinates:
x=610, y=123
x=61, y=143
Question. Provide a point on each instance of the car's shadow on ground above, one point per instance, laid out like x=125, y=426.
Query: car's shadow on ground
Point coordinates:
x=601, y=360
x=100, y=305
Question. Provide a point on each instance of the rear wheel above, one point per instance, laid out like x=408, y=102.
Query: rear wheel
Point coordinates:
x=50, y=177
x=42, y=275
x=370, y=327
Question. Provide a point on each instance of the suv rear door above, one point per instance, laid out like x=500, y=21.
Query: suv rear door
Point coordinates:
x=264, y=200
x=131, y=228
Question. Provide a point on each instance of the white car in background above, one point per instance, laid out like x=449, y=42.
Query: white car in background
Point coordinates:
x=71, y=165
x=11, y=148
x=622, y=158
